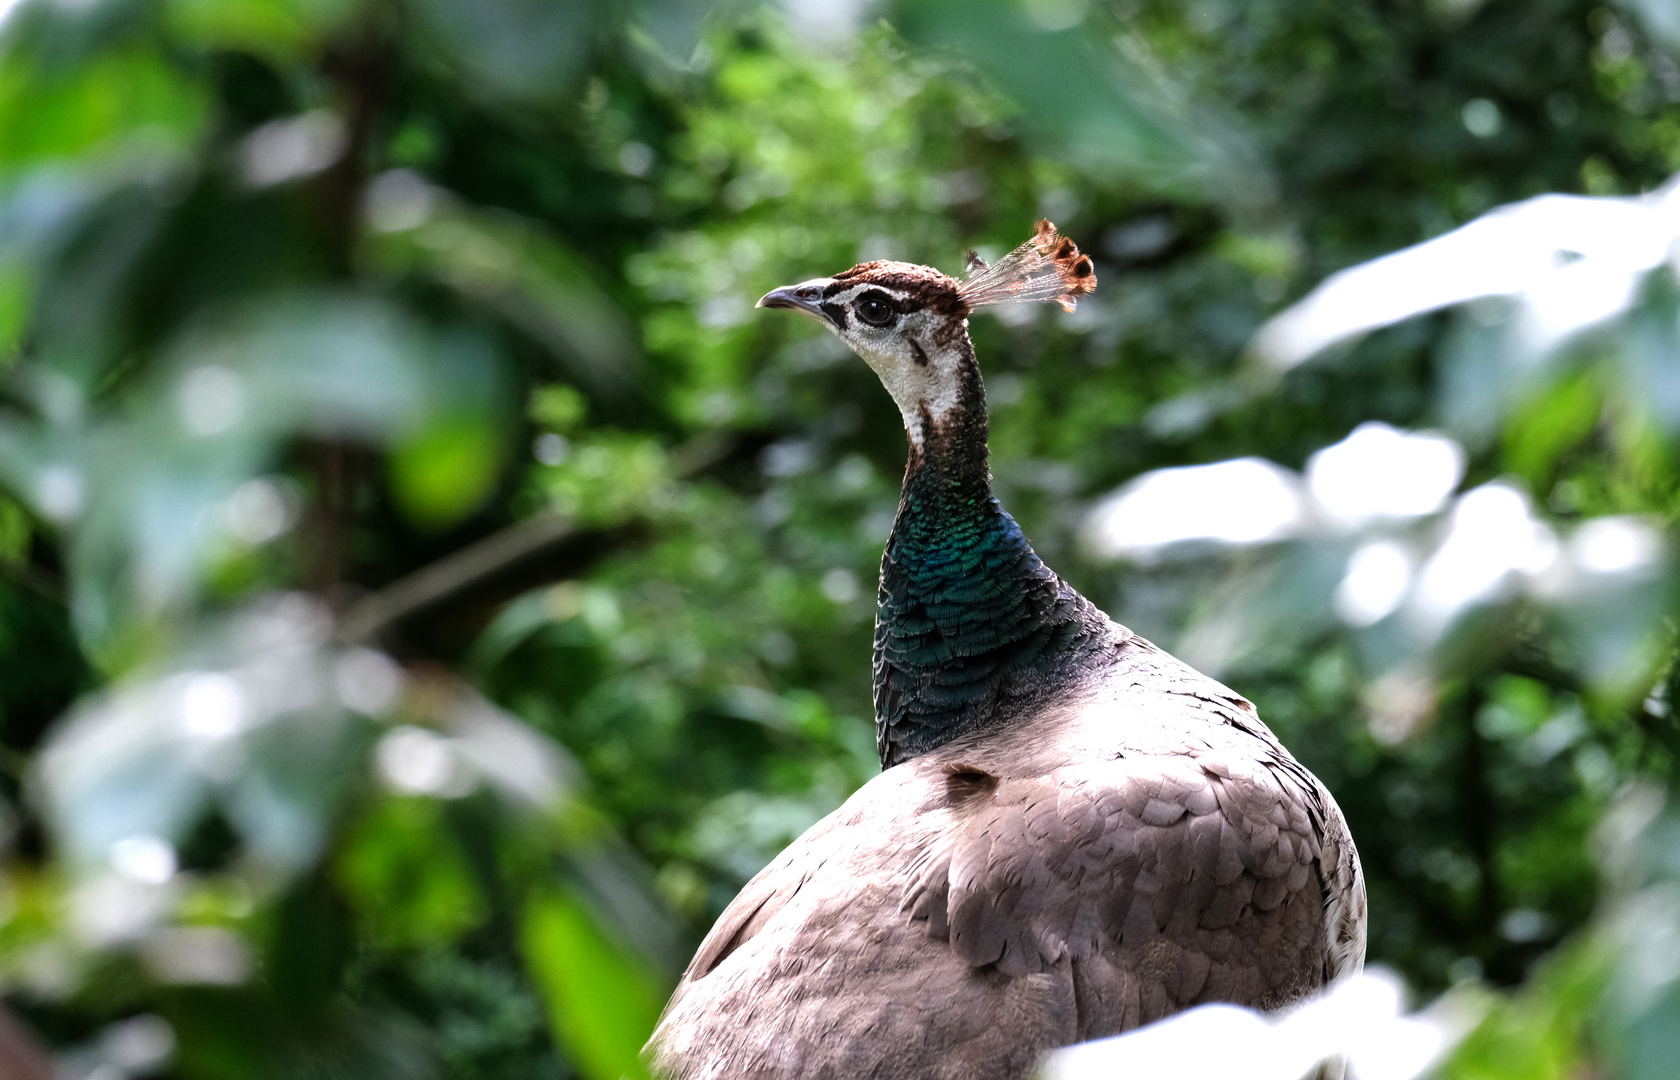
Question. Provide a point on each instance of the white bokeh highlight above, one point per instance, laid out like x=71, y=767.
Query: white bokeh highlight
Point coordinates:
x=399, y=200
x=60, y=492
x=212, y=705
x=288, y=149
x=1361, y=1019
x=1380, y=471
x=139, y=1045
x=1417, y=551
x=1615, y=545
x=149, y=860
x=211, y=400
x=256, y=512
x=1571, y=261
x=197, y=956
x=1245, y=501
x=1377, y=473
x=1492, y=536
x=1377, y=579
x=415, y=761
x=368, y=681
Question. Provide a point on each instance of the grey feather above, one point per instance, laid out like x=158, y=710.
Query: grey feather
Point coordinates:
x=1144, y=846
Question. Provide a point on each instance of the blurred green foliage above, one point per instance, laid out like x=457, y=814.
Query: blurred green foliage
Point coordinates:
x=337, y=331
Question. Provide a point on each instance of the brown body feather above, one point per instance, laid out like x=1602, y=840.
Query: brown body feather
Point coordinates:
x=1141, y=847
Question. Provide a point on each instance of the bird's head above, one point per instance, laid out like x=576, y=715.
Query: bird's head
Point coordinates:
x=910, y=323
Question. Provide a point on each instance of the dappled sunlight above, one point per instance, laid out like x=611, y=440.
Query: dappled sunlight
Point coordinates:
x=1379, y=573
x=1378, y=509
x=1573, y=261
x=1491, y=535
x=1361, y=1020
x=1615, y=545
x=1245, y=501
x=261, y=719
x=1379, y=471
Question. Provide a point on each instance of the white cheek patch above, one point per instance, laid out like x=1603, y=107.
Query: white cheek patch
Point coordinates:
x=919, y=389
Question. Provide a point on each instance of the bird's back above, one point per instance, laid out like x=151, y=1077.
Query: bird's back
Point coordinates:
x=1139, y=846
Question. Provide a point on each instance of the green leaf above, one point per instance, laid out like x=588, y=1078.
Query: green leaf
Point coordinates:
x=1550, y=425
x=447, y=470
x=603, y=999
x=1087, y=99
x=529, y=279
x=1542, y=1032
x=49, y=113
x=558, y=407
x=516, y=50
x=17, y=289
x=407, y=877
x=15, y=532
x=282, y=30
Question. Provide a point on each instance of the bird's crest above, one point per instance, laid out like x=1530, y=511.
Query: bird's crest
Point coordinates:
x=1047, y=267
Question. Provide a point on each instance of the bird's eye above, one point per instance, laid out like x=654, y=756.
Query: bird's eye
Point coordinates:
x=875, y=311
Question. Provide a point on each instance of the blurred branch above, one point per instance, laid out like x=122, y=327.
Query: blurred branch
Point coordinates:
x=534, y=540
x=522, y=556
x=1657, y=727
x=327, y=520
x=46, y=585
x=1477, y=810
x=354, y=65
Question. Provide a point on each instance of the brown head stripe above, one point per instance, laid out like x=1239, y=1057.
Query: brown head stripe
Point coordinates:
x=921, y=286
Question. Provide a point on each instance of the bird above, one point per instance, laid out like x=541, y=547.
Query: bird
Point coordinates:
x=1073, y=834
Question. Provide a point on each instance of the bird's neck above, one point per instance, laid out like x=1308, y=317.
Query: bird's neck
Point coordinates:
x=971, y=626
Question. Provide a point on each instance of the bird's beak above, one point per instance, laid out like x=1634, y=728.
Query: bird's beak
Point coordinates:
x=805, y=298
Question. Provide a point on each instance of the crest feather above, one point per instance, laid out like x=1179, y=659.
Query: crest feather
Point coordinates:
x=1047, y=267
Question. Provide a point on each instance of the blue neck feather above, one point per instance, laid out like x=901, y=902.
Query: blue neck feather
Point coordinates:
x=971, y=626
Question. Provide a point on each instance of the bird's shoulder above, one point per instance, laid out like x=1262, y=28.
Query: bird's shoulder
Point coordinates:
x=1155, y=820
x=1151, y=803
x=1142, y=846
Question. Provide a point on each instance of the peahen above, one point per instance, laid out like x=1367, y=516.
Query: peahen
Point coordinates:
x=1073, y=833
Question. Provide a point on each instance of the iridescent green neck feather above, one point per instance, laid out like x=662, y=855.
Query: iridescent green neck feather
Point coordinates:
x=971, y=626
x=972, y=629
